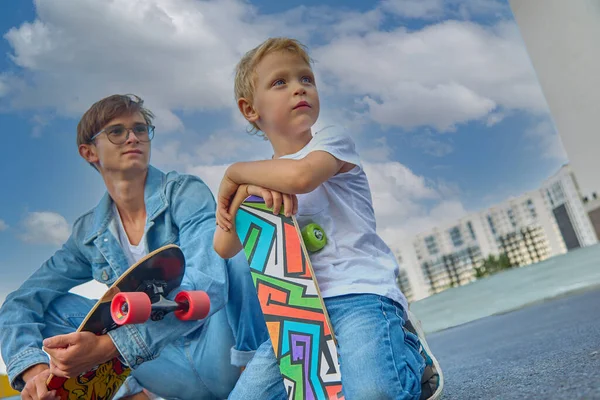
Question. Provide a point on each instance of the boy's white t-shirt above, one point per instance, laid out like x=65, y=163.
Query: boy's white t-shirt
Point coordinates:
x=355, y=259
x=133, y=252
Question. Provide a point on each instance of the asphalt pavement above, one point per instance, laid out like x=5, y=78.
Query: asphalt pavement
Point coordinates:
x=543, y=351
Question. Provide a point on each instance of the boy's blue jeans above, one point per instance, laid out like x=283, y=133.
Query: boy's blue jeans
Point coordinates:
x=379, y=359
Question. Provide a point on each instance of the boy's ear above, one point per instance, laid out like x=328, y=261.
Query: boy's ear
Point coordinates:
x=247, y=110
x=88, y=152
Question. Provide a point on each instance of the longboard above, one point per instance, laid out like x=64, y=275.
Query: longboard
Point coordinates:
x=296, y=317
x=132, y=298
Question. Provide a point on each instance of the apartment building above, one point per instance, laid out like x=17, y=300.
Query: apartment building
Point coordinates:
x=530, y=228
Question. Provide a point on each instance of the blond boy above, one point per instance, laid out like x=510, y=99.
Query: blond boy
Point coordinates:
x=320, y=178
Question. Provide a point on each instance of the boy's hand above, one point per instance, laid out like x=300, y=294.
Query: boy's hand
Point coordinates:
x=77, y=352
x=276, y=199
x=272, y=199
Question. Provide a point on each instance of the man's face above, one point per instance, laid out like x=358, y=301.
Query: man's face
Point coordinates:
x=285, y=95
x=131, y=155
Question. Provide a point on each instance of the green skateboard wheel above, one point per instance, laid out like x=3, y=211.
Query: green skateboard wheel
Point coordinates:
x=314, y=237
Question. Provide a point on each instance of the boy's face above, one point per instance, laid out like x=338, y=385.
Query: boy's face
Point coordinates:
x=285, y=97
x=131, y=155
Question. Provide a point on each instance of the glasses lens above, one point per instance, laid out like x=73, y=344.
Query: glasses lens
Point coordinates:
x=117, y=134
x=150, y=132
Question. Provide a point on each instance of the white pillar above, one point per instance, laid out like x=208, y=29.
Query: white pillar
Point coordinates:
x=562, y=38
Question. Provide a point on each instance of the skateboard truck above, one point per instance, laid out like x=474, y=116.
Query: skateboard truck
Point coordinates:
x=160, y=305
x=148, y=302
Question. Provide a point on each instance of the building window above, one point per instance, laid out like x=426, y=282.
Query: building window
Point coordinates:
x=511, y=217
x=550, y=198
x=557, y=192
x=431, y=245
x=556, y=195
x=471, y=230
x=456, y=236
x=491, y=223
x=531, y=208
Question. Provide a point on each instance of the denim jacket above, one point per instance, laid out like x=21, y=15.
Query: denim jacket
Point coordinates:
x=181, y=210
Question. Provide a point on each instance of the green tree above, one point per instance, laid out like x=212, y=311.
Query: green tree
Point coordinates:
x=492, y=265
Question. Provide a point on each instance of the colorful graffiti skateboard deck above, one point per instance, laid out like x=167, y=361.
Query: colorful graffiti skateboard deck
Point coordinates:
x=292, y=305
x=136, y=296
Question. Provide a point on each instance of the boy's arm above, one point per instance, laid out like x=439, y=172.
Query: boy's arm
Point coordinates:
x=226, y=242
x=280, y=175
x=285, y=175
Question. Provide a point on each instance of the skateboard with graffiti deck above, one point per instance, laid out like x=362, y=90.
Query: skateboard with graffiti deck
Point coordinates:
x=296, y=317
x=135, y=297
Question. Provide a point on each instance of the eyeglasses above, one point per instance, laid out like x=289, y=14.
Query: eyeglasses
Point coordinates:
x=118, y=134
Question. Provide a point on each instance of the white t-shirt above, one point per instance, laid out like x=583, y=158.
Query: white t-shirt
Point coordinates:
x=132, y=252
x=355, y=259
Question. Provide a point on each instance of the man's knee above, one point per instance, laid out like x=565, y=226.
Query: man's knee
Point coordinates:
x=65, y=314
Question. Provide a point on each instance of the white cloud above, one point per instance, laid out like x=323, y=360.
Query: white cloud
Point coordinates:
x=45, y=228
x=419, y=9
x=444, y=212
x=546, y=141
x=218, y=150
x=210, y=174
x=180, y=55
x=427, y=142
x=177, y=54
x=440, y=76
x=435, y=9
x=3, y=225
x=399, y=198
x=380, y=151
x=3, y=86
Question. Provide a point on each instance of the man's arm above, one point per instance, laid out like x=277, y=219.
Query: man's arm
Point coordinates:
x=192, y=210
x=22, y=314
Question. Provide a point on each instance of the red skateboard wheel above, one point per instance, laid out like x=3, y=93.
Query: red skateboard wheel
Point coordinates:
x=197, y=303
x=130, y=308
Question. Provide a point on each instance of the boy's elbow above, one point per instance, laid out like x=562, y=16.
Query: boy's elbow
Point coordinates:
x=220, y=248
x=303, y=181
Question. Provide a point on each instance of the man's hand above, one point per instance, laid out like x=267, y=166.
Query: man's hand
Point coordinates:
x=78, y=352
x=35, y=384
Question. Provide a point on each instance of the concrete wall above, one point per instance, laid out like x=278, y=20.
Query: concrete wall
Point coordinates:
x=561, y=37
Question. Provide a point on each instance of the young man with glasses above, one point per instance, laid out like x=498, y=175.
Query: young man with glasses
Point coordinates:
x=142, y=210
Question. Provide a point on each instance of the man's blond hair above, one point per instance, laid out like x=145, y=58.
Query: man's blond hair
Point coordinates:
x=245, y=76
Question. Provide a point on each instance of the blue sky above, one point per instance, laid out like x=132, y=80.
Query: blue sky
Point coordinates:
x=440, y=97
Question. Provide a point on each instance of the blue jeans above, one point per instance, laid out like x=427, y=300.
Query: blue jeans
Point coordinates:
x=205, y=364
x=197, y=366
x=379, y=359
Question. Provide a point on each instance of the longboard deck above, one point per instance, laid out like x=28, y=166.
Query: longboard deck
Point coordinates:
x=102, y=383
x=296, y=317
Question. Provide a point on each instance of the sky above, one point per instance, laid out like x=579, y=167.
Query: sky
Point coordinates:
x=439, y=96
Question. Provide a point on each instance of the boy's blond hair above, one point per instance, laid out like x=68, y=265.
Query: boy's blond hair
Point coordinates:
x=245, y=76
